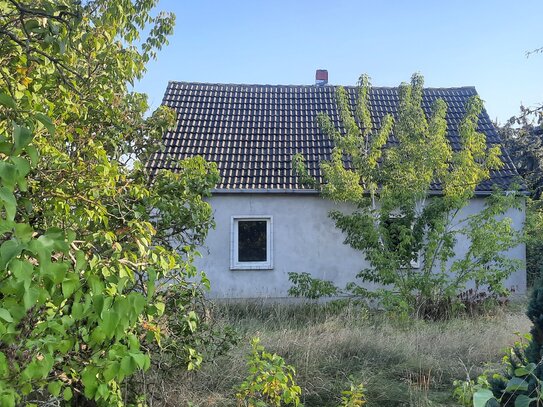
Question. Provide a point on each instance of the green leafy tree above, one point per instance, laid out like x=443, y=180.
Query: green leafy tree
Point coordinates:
x=396, y=223
x=88, y=243
x=523, y=137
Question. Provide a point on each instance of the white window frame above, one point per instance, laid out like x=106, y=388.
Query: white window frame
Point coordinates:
x=235, y=264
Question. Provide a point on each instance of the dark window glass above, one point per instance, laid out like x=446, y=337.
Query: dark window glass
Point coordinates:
x=252, y=240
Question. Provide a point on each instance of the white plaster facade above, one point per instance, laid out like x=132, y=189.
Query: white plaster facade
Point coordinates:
x=305, y=239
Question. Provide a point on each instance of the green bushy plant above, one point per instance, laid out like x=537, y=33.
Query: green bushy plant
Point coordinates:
x=464, y=390
x=270, y=381
x=354, y=397
x=534, y=239
x=520, y=384
x=304, y=285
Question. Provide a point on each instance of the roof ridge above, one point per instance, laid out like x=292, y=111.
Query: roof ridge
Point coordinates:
x=308, y=86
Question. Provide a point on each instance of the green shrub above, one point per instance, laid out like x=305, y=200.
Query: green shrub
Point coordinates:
x=303, y=285
x=270, y=381
x=521, y=382
x=464, y=390
x=354, y=397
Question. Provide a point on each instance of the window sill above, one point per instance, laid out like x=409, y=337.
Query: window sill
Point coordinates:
x=252, y=267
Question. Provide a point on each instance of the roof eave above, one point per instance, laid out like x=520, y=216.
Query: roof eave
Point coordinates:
x=264, y=191
x=229, y=191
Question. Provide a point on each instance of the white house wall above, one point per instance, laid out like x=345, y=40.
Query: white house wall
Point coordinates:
x=305, y=239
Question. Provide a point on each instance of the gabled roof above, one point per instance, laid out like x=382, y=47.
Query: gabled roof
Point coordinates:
x=252, y=131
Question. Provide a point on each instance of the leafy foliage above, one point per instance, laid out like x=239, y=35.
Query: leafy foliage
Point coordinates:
x=354, y=397
x=270, y=381
x=190, y=335
x=523, y=136
x=303, y=285
x=88, y=244
x=407, y=236
x=521, y=382
x=465, y=390
x=534, y=239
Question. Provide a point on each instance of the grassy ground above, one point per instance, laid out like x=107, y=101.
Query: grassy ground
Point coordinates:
x=401, y=363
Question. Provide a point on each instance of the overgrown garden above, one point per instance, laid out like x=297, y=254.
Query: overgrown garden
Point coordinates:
x=101, y=304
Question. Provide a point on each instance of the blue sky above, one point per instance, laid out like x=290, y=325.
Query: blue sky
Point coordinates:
x=479, y=43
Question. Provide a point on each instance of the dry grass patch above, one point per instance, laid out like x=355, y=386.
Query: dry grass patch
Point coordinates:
x=401, y=363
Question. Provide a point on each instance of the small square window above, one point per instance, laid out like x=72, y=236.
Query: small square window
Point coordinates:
x=251, y=243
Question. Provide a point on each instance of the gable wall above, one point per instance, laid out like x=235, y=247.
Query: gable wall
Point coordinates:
x=304, y=240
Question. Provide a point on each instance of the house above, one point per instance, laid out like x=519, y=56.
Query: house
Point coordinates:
x=267, y=223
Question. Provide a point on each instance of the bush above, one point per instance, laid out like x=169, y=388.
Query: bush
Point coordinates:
x=354, y=397
x=270, y=381
x=521, y=382
x=303, y=285
x=534, y=240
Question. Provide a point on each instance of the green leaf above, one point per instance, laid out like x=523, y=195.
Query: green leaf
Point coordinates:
x=8, y=400
x=38, y=369
x=70, y=284
x=8, y=251
x=30, y=297
x=47, y=122
x=22, y=271
x=67, y=394
x=160, y=306
x=6, y=147
x=8, y=199
x=524, y=401
x=111, y=371
x=4, y=366
x=81, y=261
x=7, y=101
x=32, y=25
x=90, y=382
x=142, y=361
x=21, y=165
x=98, y=335
x=110, y=320
x=128, y=366
x=77, y=310
x=102, y=391
x=57, y=271
x=26, y=389
x=22, y=136
x=23, y=231
x=481, y=397
x=5, y=315
x=33, y=154
x=8, y=173
x=54, y=387
x=516, y=384
x=6, y=226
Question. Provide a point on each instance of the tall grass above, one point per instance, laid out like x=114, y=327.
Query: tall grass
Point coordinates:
x=401, y=363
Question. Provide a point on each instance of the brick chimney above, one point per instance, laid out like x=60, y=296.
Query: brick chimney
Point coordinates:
x=321, y=77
